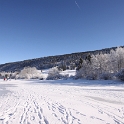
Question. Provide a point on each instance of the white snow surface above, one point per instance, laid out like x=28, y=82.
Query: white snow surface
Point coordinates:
x=70, y=72
x=61, y=102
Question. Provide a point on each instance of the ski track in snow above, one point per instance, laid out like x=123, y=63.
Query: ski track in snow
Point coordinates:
x=33, y=103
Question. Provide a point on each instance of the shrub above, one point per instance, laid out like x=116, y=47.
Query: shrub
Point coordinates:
x=30, y=73
x=120, y=75
x=105, y=76
x=54, y=74
x=91, y=76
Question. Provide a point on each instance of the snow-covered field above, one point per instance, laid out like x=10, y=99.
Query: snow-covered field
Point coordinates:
x=61, y=102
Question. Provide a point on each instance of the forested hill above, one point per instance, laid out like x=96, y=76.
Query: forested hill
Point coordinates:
x=68, y=60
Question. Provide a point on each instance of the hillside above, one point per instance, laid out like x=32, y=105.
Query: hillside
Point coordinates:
x=50, y=61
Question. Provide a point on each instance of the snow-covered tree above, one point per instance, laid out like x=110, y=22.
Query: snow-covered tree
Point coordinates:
x=100, y=63
x=120, y=58
x=72, y=66
x=30, y=73
x=86, y=71
x=54, y=74
x=62, y=65
x=94, y=68
x=116, y=60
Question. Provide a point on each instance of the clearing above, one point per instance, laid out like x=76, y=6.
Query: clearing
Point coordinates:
x=61, y=102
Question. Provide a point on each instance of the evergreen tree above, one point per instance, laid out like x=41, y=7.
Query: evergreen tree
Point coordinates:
x=80, y=64
x=88, y=58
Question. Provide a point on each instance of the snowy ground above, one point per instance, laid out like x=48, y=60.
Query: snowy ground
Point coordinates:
x=61, y=102
x=69, y=72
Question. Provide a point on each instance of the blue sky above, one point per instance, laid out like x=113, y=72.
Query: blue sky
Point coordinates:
x=38, y=28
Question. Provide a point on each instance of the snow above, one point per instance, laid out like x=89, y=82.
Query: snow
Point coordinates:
x=70, y=72
x=61, y=102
